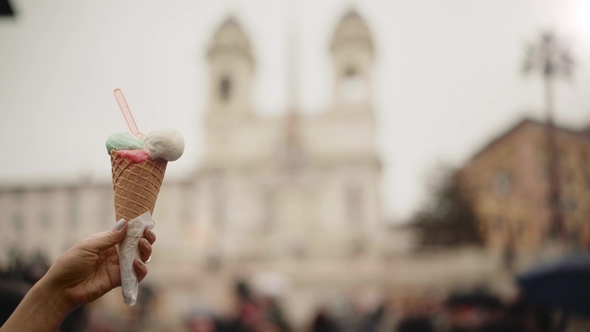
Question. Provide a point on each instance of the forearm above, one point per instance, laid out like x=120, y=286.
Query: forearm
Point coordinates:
x=42, y=309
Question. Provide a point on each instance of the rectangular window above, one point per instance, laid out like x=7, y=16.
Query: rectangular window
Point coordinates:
x=585, y=168
x=18, y=196
x=18, y=221
x=269, y=217
x=225, y=88
x=219, y=198
x=219, y=208
x=502, y=183
x=187, y=208
x=107, y=216
x=354, y=204
x=73, y=207
x=45, y=217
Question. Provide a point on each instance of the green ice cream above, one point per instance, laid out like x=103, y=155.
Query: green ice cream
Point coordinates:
x=123, y=141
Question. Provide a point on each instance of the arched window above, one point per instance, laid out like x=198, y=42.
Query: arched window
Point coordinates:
x=350, y=72
x=225, y=88
x=352, y=86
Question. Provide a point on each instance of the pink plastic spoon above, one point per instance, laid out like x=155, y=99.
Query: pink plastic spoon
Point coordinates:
x=127, y=113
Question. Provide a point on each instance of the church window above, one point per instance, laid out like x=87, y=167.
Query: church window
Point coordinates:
x=352, y=87
x=269, y=211
x=219, y=199
x=354, y=202
x=350, y=72
x=298, y=249
x=225, y=88
x=357, y=247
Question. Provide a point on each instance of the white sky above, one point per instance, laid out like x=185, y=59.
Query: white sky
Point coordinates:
x=446, y=75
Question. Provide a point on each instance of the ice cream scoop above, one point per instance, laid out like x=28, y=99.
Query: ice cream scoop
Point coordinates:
x=166, y=143
x=123, y=141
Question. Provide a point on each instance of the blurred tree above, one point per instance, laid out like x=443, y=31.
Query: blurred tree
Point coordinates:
x=448, y=219
x=552, y=59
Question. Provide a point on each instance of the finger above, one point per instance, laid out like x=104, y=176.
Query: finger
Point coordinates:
x=145, y=250
x=149, y=235
x=141, y=269
x=105, y=240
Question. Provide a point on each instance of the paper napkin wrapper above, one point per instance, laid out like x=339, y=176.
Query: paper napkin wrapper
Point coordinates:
x=128, y=251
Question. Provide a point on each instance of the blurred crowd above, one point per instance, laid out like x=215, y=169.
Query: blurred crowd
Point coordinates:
x=476, y=311
x=17, y=280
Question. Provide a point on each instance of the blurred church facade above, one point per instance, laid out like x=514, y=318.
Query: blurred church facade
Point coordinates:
x=296, y=186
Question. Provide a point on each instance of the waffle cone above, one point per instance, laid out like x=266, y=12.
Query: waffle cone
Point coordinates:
x=136, y=186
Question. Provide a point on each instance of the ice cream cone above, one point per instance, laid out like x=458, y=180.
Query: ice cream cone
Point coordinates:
x=136, y=185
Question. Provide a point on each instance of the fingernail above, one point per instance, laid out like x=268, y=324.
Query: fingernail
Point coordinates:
x=119, y=224
x=153, y=234
x=139, y=262
x=147, y=243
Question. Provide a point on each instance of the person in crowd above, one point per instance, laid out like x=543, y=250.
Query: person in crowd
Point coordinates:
x=373, y=319
x=533, y=317
x=415, y=324
x=200, y=322
x=503, y=325
x=273, y=313
x=12, y=293
x=81, y=275
x=322, y=322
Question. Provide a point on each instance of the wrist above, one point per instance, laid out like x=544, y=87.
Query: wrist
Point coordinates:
x=42, y=310
x=55, y=297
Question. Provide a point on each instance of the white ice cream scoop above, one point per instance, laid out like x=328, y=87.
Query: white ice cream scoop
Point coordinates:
x=165, y=143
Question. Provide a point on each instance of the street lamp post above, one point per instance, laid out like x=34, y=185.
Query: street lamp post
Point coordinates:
x=549, y=57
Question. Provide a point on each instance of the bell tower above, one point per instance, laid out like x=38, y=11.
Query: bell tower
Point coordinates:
x=231, y=68
x=352, y=54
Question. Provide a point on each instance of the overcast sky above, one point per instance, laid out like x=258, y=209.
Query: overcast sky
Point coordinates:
x=447, y=76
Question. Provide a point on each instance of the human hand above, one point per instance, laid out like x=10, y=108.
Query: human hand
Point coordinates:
x=80, y=275
x=90, y=268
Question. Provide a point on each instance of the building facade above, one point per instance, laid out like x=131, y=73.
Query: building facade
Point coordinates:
x=509, y=181
x=296, y=186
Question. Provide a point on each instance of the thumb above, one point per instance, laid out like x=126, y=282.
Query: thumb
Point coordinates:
x=105, y=240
